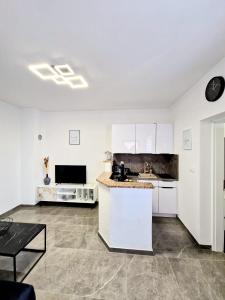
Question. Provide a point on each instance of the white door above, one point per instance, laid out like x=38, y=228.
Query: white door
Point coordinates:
x=167, y=200
x=145, y=138
x=123, y=138
x=164, y=138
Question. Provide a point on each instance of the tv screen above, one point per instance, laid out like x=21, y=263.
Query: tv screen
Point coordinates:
x=70, y=174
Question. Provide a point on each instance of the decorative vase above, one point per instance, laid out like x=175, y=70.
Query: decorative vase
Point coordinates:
x=47, y=180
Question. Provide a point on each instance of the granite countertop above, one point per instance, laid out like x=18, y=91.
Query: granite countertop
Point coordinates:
x=158, y=179
x=104, y=179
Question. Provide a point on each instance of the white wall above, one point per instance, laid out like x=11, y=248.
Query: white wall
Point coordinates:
x=22, y=153
x=31, y=152
x=95, y=135
x=9, y=157
x=188, y=112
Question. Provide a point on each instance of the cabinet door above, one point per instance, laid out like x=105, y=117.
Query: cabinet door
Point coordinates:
x=155, y=195
x=164, y=138
x=167, y=200
x=145, y=138
x=155, y=200
x=123, y=138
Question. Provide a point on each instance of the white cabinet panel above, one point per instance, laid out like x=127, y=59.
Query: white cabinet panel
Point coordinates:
x=142, y=138
x=167, y=200
x=164, y=138
x=155, y=195
x=155, y=200
x=167, y=183
x=123, y=138
x=145, y=138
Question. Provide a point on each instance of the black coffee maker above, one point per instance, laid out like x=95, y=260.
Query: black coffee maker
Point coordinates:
x=122, y=176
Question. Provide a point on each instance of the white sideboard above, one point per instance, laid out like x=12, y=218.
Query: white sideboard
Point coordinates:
x=86, y=193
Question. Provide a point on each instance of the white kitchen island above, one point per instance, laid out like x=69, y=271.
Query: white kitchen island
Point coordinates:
x=125, y=215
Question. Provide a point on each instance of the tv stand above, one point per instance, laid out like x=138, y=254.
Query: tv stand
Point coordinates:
x=68, y=193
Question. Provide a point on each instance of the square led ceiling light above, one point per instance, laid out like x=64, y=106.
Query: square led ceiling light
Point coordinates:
x=77, y=82
x=64, y=70
x=59, y=80
x=44, y=71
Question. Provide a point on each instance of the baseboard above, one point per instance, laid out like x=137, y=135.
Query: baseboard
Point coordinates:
x=165, y=215
x=192, y=237
x=13, y=210
x=67, y=204
x=127, y=251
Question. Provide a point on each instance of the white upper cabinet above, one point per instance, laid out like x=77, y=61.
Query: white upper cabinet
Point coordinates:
x=164, y=138
x=145, y=138
x=123, y=138
x=142, y=138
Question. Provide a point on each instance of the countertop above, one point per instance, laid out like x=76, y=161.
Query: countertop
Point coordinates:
x=104, y=179
x=157, y=179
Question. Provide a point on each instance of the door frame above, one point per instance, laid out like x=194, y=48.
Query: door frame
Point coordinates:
x=211, y=186
x=217, y=189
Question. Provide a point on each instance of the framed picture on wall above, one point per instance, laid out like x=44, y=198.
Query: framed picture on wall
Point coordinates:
x=74, y=137
x=187, y=139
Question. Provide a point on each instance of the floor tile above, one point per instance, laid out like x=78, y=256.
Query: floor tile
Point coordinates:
x=78, y=266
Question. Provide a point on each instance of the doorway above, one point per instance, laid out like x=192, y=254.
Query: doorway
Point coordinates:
x=212, y=204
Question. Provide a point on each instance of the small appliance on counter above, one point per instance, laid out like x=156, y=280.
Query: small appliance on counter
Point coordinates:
x=122, y=173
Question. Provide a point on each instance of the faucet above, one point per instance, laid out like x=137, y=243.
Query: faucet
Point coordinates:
x=146, y=167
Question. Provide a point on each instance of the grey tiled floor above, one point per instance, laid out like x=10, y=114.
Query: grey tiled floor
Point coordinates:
x=78, y=266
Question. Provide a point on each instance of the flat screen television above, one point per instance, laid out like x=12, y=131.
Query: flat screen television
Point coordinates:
x=70, y=174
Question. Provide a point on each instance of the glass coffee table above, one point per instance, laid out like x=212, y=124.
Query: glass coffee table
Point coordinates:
x=15, y=240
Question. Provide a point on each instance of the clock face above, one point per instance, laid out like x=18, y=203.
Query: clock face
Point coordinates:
x=215, y=88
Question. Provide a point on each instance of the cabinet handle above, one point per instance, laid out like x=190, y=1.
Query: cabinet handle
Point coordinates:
x=167, y=187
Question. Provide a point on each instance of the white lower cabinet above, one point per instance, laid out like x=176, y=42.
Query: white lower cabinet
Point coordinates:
x=167, y=197
x=164, y=197
x=155, y=200
x=155, y=195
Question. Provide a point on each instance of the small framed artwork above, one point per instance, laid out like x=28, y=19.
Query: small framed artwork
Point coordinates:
x=74, y=137
x=187, y=139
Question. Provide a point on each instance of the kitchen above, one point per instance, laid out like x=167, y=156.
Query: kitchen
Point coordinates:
x=144, y=170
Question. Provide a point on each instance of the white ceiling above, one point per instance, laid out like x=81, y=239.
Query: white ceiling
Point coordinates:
x=134, y=54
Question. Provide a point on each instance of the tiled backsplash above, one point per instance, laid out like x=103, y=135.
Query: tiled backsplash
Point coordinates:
x=161, y=163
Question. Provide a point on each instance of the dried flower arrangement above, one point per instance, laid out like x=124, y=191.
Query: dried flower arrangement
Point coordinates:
x=46, y=161
x=47, y=179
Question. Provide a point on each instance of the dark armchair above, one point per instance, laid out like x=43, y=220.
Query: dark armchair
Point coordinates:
x=10, y=290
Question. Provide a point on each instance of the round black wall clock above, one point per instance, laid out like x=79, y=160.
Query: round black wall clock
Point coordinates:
x=215, y=88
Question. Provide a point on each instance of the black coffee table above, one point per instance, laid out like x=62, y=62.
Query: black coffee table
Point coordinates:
x=15, y=240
